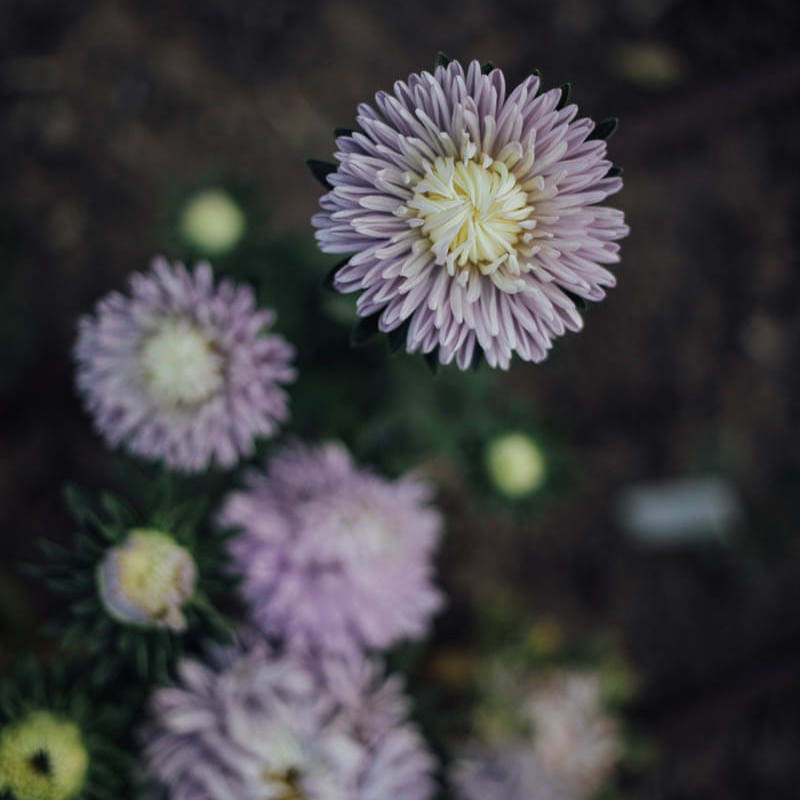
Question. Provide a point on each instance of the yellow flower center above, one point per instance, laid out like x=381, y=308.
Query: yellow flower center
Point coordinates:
x=179, y=367
x=146, y=579
x=287, y=782
x=42, y=757
x=471, y=212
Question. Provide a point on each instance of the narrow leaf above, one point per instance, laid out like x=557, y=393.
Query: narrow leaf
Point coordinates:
x=605, y=128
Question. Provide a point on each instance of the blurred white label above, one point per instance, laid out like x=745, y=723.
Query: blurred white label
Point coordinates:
x=680, y=511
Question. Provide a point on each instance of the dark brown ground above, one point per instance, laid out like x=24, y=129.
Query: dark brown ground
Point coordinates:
x=111, y=108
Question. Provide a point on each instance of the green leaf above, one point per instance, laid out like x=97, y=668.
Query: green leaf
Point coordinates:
x=80, y=507
x=566, y=93
x=117, y=510
x=441, y=60
x=605, y=128
x=320, y=170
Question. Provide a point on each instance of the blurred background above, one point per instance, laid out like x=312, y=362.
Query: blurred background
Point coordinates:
x=663, y=529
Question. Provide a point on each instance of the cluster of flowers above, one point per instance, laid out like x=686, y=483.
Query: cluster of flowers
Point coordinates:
x=471, y=222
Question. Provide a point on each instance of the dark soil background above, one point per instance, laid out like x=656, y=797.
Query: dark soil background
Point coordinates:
x=111, y=109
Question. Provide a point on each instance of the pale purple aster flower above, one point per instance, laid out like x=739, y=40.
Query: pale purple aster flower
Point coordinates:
x=574, y=736
x=504, y=772
x=473, y=215
x=181, y=370
x=333, y=557
x=254, y=726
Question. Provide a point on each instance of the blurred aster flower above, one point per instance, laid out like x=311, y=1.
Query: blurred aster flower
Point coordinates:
x=146, y=579
x=42, y=756
x=503, y=772
x=575, y=738
x=472, y=214
x=333, y=556
x=56, y=741
x=181, y=370
x=212, y=222
x=137, y=590
x=253, y=726
x=547, y=737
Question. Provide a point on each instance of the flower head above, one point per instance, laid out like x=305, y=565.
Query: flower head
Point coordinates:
x=58, y=739
x=503, y=772
x=42, y=757
x=575, y=739
x=137, y=587
x=212, y=222
x=181, y=370
x=255, y=726
x=472, y=214
x=146, y=579
x=516, y=464
x=333, y=556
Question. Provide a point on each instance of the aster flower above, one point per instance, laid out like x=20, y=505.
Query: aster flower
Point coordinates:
x=138, y=586
x=181, y=370
x=553, y=734
x=503, y=772
x=332, y=556
x=472, y=215
x=575, y=738
x=255, y=726
x=57, y=742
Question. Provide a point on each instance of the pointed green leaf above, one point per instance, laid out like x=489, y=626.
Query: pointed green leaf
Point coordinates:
x=605, y=128
x=441, y=60
x=566, y=93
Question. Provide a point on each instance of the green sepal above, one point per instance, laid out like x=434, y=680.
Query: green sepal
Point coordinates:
x=580, y=302
x=366, y=328
x=613, y=172
x=605, y=128
x=566, y=93
x=118, y=510
x=337, y=132
x=487, y=67
x=320, y=170
x=477, y=359
x=432, y=360
x=327, y=281
x=398, y=336
x=441, y=60
x=80, y=507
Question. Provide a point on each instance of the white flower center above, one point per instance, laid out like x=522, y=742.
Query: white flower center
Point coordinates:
x=471, y=212
x=146, y=579
x=179, y=366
